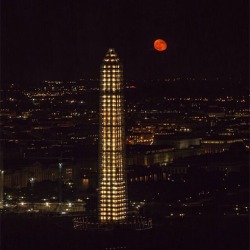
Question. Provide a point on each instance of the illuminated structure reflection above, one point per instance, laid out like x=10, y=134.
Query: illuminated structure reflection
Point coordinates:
x=112, y=181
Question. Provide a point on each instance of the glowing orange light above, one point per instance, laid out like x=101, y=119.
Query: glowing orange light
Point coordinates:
x=160, y=45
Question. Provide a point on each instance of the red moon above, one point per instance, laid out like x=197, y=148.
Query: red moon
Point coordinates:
x=160, y=45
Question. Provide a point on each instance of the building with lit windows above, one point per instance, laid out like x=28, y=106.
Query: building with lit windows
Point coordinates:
x=112, y=204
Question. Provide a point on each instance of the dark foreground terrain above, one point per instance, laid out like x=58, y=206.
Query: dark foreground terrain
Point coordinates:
x=24, y=232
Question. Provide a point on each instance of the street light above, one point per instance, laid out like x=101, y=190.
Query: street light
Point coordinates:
x=60, y=165
x=1, y=188
x=32, y=182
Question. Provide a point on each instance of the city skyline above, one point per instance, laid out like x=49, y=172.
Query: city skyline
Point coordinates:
x=187, y=167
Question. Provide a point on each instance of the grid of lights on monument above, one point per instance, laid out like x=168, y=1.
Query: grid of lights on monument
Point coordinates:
x=112, y=182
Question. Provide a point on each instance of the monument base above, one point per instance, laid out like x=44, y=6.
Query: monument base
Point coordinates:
x=131, y=223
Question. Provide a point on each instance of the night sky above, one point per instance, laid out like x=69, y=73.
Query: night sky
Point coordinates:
x=62, y=40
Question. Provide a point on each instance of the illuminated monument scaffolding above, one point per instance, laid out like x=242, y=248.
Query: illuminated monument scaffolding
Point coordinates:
x=112, y=204
x=112, y=197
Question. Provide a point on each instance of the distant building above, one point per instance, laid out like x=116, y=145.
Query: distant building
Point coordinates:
x=40, y=171
x=177, y=141
x=232, y=161
x=218, y=144
x=140, y=138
